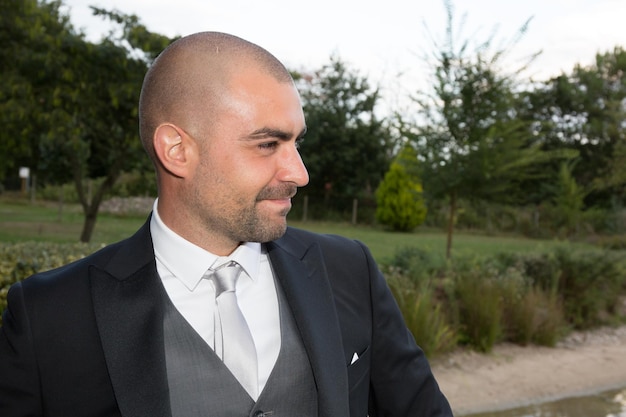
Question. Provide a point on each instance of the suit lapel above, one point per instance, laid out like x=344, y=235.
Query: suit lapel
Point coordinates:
x=128, y=305
x=300, y=270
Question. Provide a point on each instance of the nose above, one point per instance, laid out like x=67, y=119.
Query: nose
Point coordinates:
x=293, y=169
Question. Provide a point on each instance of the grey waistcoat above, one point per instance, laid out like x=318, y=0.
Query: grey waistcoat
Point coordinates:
x=201, y=385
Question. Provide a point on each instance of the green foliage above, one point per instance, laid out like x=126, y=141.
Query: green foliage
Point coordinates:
x=418, y=265
x=69, y=106
x=63, y=192
x=471, y=143
x=347, y=147
x=612, y=242
x=591, y=284
x=587, y=283
x=32, y=34
x=568, y=199
x=400, y=201
x=479, y=306
x=520, y=298
x=531, y=314
x=129, y=184
x=424, y=316
x=584, y=110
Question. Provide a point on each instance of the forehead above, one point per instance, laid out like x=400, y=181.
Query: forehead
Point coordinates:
x=255, y=94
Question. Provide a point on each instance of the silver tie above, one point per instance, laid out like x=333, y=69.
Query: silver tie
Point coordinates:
x=233, y=340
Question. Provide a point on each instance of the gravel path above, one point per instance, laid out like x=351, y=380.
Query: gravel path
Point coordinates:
x=512, y=376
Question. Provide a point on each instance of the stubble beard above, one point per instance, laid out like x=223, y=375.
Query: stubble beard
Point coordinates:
x=251, y=225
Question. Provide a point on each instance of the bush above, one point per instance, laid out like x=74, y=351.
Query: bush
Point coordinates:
x=419, y=265
x=424, y=316
x=591, y=284
x=617, y=242
x=532, y=315
x=480, y=307
x=133, y=184
x=538, y=269
x=66, y=193
x=520, y=298
x=400, y=200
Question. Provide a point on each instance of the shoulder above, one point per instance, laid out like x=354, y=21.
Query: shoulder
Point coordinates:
x=327, y=242
x=338, y=253
x=68, y=276
x=308, y=236
x=73, y=276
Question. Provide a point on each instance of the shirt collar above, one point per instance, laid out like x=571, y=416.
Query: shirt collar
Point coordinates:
x=189, y=262
x=248, y=255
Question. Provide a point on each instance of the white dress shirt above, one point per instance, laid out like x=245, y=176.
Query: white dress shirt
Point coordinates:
x=181, y=266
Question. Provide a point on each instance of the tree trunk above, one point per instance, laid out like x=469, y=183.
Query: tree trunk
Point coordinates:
x=451, y=223
x=92, y=205
x=91, y=201
x=88, y=225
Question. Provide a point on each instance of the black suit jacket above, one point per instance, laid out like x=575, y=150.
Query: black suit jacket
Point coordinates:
x=87, y=339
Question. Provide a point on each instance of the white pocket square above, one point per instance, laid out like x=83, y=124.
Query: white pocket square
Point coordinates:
x=355, y=358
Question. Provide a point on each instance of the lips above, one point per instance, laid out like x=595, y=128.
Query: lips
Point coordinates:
x=283, y=192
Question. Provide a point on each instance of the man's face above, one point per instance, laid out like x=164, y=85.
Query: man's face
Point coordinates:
x=249, y=166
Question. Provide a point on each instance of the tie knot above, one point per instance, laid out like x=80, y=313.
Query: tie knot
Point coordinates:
x=225, y=277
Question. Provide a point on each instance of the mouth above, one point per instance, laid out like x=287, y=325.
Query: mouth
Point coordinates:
x=277, y=206
x=285, y=193
x=280, y=201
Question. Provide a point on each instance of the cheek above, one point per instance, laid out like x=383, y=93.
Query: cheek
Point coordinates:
x=251, y=172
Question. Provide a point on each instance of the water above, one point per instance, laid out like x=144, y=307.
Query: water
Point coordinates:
x=606, y=404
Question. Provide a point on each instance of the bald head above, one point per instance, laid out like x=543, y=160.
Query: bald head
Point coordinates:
x=188, y=82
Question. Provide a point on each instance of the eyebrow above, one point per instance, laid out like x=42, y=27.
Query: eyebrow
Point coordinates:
x=267, y=132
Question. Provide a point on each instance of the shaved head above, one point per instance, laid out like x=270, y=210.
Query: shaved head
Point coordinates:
x=188, y=82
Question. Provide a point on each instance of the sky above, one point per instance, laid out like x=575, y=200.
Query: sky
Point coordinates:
x=384, y=41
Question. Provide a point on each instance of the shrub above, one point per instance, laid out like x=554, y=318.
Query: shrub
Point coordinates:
x=481, y=313
x=479, y=304
x=547, y=314
x=532, y=315
x=129, y=184
x=538, y=269
x=400, y=200
x=591, y=284
x=522, y=298
x=135, y=184
x=66, y=193
x=417, y=264
x=424, y=317
x=616, y=242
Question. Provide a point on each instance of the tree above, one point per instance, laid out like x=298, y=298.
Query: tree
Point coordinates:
x=31, y=34
x=568, y=197
x=399, y=197
x=77, y=101
x=470, y=141
x=347, y=147
x=585, y=111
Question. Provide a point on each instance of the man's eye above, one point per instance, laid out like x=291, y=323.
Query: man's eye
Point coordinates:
x=268, y=145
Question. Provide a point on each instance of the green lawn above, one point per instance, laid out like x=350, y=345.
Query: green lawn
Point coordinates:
x=42, y=221
x=21, y=220
x=384, y=244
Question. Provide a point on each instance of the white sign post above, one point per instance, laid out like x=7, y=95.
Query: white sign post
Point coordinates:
x=24, y=175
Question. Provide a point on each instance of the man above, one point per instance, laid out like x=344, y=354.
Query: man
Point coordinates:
x=140, y=328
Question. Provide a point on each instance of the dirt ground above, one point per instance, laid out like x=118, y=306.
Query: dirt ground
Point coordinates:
x=512, y=376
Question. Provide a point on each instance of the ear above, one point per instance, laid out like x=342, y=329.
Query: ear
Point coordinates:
x=174, y=148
